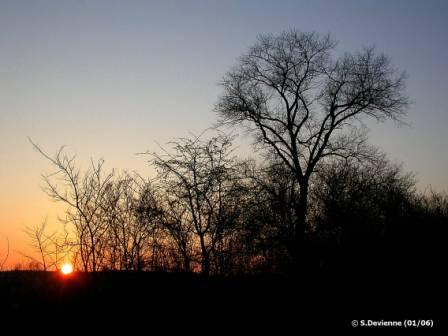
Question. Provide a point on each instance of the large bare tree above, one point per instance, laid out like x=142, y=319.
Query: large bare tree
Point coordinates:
x=306, y=104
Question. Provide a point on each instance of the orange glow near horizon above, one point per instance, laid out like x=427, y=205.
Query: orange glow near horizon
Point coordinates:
x=67, y=269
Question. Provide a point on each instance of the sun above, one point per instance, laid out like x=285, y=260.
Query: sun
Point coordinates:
x=67, y=269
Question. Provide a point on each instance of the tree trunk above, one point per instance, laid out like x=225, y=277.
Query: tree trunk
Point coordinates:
x=205, y=263
x=187, y=264
x=301, y=208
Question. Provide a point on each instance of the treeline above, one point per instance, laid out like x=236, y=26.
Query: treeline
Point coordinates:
x=321, y=197
x=207, y=211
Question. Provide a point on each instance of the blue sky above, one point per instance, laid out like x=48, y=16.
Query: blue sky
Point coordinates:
x=109, y=78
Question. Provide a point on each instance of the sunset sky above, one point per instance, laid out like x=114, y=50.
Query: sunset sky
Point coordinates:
x=111, y=78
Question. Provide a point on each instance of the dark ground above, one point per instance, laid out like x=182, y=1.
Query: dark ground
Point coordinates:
x=168, y=301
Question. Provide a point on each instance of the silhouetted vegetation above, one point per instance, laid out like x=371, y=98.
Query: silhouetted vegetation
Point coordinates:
x=209, y=212
x=320, y=204
x=306, y=105
x=321, y=197
x=5, y=257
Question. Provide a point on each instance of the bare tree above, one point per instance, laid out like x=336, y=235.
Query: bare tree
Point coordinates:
x=359, y=196
x=52, y=248
x=150, y=214
x=131, y=213
x=177, y=223
x=269, y=218
x=306, y=106
x=198, y=179
x=41, y=243
x=83, y=195
x=5, y=258
x=115, y=217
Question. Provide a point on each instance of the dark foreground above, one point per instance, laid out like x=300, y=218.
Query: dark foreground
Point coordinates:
x=168, y=301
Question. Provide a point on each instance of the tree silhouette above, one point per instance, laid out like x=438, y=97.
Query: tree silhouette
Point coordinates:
x=42, y=243
x=305, y=104
x=200, y=184
x=83, y=195
x=4, y=258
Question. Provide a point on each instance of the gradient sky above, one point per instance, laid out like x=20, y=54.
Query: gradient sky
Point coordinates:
x=109, y=78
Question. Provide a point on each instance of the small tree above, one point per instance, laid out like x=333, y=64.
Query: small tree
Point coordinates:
x=41, y=243
x=355, y=202
x=269, y=216
x=50, y=248
x=199, y=181
x=83, y=195
x=4, y=259
x=130, y=212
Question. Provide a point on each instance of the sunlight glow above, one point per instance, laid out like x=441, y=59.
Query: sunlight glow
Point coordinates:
x=67, y=269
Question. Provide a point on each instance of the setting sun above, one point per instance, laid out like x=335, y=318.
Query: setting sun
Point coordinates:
x=67, y=269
